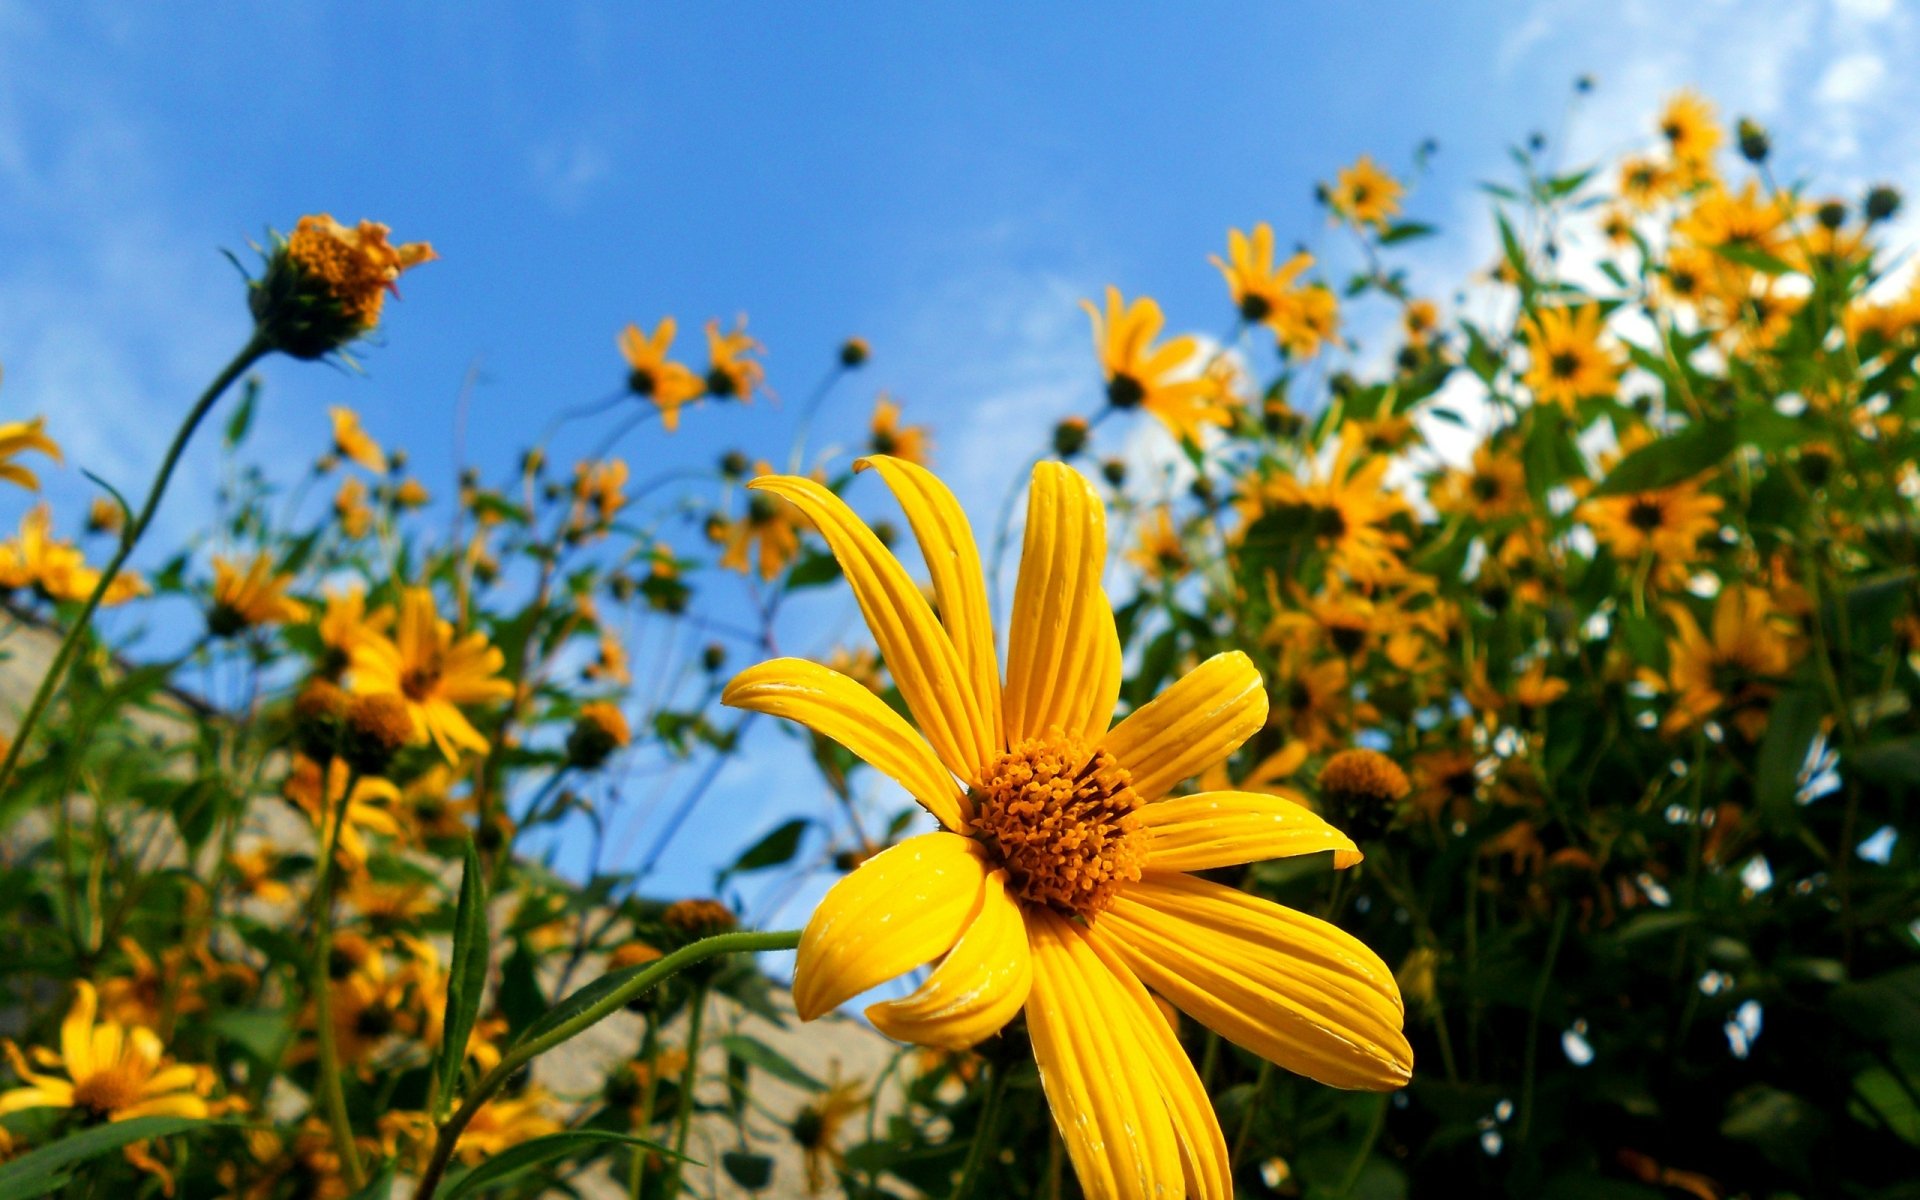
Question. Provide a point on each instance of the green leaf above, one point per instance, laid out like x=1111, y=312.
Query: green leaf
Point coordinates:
x=815, y=568
x=43, y=1170
x=1792, y=724
x=1672, y=459
x=242, y=419
x=776, y=848
x=263, y=1033
x=757, y=1053
x=1406, y=231
x=532, y=1153
x=750, y=1171
x=466, y=979
x=1748, y=256
x=1896, y=761
x=379, y=1187
x=577, y=1002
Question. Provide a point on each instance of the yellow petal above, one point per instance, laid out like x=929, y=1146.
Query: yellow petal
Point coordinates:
x=959, y=586
x=1203, y=1150
x=1288, y=987
x=76, y=1032
x=980, y=986
x=1062, y=649
x=904, y=907
x=1100, y=1085
x=1192, y=725
x=918, y=652
x=836, y=707
x=1225, y=829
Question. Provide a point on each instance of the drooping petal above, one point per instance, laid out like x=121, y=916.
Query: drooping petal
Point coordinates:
x=1192, y=725
x=1203, y=1149
x=1291, y=988
x=959, y=585
x=836, y=707
x=918, y=651
x=904, y=907
x=1061, y=646
x=980, y=986
x=1099, y=1083
x=1225, y=829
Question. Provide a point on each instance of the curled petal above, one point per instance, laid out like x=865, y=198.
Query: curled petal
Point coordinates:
x=836, y=707
x=980, y=986
x=1062, y=648
x=905, y=906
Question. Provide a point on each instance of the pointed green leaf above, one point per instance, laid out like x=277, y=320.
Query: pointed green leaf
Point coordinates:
x=503, y=1166
x=467, y=979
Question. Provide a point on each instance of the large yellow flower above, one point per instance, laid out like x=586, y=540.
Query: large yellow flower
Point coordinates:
x=1160, y=379
x=1059, y=883
x=434, y=670
x=19, y=437
x=1567, y=360
x=113, y=1072
x=654, y=376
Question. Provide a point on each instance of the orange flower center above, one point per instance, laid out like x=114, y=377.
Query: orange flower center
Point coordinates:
x=104, y=1093
x=1062, y=819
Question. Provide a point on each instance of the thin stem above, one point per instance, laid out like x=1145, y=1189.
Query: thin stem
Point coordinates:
x=650, y=1055
x=521, y=1053
x=1532, y=1047
x=1261, y=1083
x=1365, y=1154
x=689, y=1079
x=982, y=1133
x=332, y=1092
x=256, y=348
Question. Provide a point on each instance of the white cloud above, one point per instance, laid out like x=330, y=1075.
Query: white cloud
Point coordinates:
x=1852, y=80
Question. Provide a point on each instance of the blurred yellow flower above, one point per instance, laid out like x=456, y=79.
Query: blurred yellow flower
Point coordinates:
x=887, y=435
x=112, y=1072
x=21, y=437
x=350, y=508
x=1691, y=131
x=433, y=669
x=1346, y=507
x=1059, y=883
x=1165, y=380
x=1566, y=360
x=733, y=365
x=353, y=442
x=369, y=809
x=1364, y=194
x=251, y=595
x=654, y=376
x=1734, y=663
x=1667, y=523
x=770, y=531
x=1160, y=552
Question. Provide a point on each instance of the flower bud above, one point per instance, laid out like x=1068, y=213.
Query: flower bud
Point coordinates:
x=1360, y=789
x=1754, y=143
x=600, y=730
x=1831, y=214
x=1070, y=437
x=324, y=285
x=1114, y=471
x=375, y=728
x=318, y=712
x=854, y=352
x=734, y=465
x=1882, y=202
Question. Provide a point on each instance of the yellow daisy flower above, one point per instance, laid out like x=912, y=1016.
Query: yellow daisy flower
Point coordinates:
x=1142, y=375
x=655, y=377
x=113, y=1072
x=1365, y=194
x=353, y=442
x=20, y=437
x=357, y=266
x=1666, y=523
x=1059, y=881
x=1567, y=361
x=435, y=670
x=1692, y=133
x=250, y=596
x=770, y=532
x=887, y=435
x=733, y=366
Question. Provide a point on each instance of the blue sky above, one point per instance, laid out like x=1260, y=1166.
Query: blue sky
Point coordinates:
x=947, y=183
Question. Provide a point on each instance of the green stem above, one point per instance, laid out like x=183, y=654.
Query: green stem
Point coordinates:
x=650, y=1055
x=982, y=1133
x=1261, y=1083
x=1363, y=1155
x=523, y=1052
x=689, y=1079
x=252, y=352
x=332, y=1091
x=1532, y=1044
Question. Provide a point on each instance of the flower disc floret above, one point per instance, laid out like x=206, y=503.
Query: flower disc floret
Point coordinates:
x=1063, y=820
